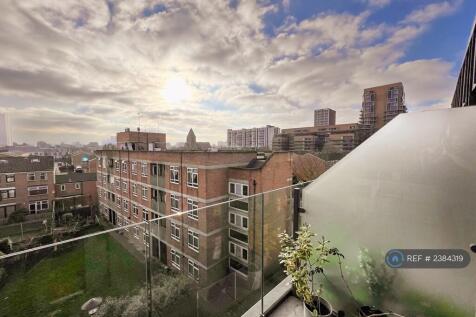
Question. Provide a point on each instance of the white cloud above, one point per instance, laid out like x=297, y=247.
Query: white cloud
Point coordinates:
x=433, y=11
x=97, y=66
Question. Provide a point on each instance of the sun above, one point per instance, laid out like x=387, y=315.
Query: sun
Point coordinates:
x=175, y=90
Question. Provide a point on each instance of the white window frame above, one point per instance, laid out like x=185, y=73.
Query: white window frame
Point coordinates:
x=174, y=228
x=28, y=175
x=134, y=167
x=195, y=237
x=143, y=167
x=237, y=249
x=37, y=188
x=174, y=174
x=38, y=205
x=136, y=232
x=192, y=206
x=238, y=220
x=125, y=204
x=238, y=189
x=145, y=214
x=124, y=186
x=135, y=210
x=175, y=258
x=145, y=191
x=77, y=185
x=193, y=270
x=124, y=166
x=134, y=189
x=43, y=176
x=177, y=199
x=8, y=176
x=191, y=181
x=63, y=187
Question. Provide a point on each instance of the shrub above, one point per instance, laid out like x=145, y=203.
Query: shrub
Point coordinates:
x=6, y=245
x=17, y=216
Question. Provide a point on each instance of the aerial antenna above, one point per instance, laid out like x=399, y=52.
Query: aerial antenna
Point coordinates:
x=139, y=114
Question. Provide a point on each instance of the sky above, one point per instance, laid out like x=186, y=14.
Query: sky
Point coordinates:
x=83, y=70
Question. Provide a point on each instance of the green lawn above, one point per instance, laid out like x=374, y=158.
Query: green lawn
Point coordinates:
x=60, y=284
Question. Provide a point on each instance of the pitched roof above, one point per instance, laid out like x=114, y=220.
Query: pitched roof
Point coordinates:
x=14, y=164
x=75, y=178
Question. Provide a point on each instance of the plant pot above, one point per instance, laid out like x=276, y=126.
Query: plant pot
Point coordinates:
x=324, y=308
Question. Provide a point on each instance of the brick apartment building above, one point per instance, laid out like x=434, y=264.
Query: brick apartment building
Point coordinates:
x=75, y=191
x=381, y=104
x=26, y=183
x=207, y=244
x=343, y=137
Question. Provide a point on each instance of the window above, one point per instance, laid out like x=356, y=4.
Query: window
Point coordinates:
x=193, y=270
x=238, y=220
x=8, y=193
x=175, y=231
x=116, y=164
x=77, y=186
x=192, y=177
x=43, y=176
x=161, y=196
x=124, y=186
x=37, y=190
x=163, y=223
x=238, y=266
x=238, y=189
x=238, y=236
x=125, y=204
x=135, y=210
x=174, y=174
x=174, y=203
x=63, y=188
x=193, y=240
x=134, y=167
x=146, y=238
x=118, y=183
x=118, y=201
x=124, y=166
x=31, y=177
x=10, y=178
x=239, y=204
x=145, y=214
x=154, y=193
x=161, y=170
x=136, y=232
x=239, y=251
x=37, y=206
x=175, y=258
x=134, y=189
x=144, y=169
x=144, y=192
x=192, y=206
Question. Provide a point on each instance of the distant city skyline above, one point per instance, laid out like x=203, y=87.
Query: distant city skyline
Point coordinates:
x=82, y=72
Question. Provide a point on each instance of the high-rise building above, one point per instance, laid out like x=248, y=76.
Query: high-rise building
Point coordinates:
x=465, y=92
x=207, y=244
x=4, y=133
x=381, y=104
x=254, y=138
x=324, y=117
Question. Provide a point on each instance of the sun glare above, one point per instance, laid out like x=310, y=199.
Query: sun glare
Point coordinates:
x=175, y=90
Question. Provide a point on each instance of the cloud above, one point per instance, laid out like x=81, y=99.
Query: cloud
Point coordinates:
x=377, y=3
x=433, y=11
x=84, y=70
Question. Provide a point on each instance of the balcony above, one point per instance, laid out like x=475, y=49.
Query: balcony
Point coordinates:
x=368, y=203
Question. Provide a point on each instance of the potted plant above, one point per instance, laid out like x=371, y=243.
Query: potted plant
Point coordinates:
x=303, y=262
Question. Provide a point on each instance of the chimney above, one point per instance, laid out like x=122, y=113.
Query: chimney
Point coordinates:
x=138, y=129
x=128, y=130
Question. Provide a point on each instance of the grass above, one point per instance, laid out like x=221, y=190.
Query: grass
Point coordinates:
x=59, y=284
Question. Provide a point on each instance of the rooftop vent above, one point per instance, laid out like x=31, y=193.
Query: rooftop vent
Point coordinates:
x=128, y=130
x=3, y=162
x=35, y=160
